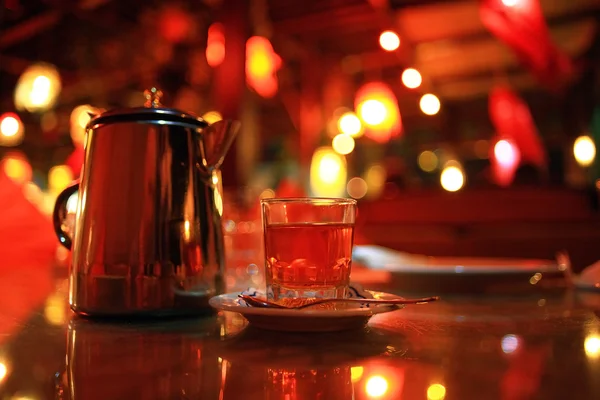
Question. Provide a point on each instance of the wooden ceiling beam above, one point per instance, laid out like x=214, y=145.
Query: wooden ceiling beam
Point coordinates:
x=40, y=23
x=340, y=19
x=29, y=28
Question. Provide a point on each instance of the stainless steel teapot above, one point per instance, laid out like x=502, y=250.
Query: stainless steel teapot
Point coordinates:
x=148, y=236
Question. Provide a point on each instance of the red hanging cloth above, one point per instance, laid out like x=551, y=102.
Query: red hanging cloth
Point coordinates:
x=521, y=26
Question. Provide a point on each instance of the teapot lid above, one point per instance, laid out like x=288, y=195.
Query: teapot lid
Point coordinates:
x=152, y=112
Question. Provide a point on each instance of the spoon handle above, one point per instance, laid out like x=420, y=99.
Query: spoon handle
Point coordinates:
x=371, y=301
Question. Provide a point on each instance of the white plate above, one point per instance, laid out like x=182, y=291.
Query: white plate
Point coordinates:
x=377, y=257
x=347, y=316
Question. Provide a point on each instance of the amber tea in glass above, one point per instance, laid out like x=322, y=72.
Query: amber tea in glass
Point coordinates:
x=308, y=247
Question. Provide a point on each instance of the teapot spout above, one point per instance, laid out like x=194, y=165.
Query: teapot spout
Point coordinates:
x=215, y=141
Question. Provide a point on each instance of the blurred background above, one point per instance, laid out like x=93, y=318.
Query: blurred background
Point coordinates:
x=463, y=127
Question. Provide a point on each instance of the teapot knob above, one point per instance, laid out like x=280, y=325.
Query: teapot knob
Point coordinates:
x=153, y=97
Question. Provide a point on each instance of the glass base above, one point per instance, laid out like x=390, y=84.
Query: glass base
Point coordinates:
x=277, y=292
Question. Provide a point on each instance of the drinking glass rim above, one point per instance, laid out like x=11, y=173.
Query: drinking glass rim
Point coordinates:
x=339, y=201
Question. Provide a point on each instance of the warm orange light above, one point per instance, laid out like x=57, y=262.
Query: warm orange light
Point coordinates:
x=262, y=64
x=55, y=311
x=389, y=40
x=9, y=125
x=80, y=116
x=343, y=144
x=376, y=386
x=350, y=124
x=11, y=130
x=212, y=117
x=357, y=188
x=17, y=167
x=375, y=178
x=59, y=177
x=430, y=104
x=3, y=371
x=215, y=45
x=267, y=194
x=452, y=178
x=510, y=3
x=436, y=391
x=377, y=106
x=328, y=173
x=591, y=346
x=373, y=112
x=584, y=150
x=216, y=32
x=215, y=53
x=428, y=161
x=38, y=88
x=411, y=78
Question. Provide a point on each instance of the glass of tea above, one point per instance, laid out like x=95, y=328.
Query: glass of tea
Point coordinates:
x=308, y=247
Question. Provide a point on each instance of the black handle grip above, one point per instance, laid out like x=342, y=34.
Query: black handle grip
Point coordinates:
x=60, y=213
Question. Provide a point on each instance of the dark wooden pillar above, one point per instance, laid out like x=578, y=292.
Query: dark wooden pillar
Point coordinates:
x=230, y=77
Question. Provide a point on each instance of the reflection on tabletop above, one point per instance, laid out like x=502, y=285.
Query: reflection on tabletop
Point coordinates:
x=534, y=346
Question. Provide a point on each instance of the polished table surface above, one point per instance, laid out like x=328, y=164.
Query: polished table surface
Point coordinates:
x=537, y=346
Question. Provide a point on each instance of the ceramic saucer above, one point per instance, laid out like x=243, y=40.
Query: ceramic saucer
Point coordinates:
x=345, y=316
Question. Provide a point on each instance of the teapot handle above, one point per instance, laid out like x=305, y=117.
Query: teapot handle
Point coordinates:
x=60, y=214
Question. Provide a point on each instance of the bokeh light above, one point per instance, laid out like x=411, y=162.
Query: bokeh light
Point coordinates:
x=373, y=112
x=428, y=161
x=436, y=391
x=80, y=116
x=356, y=373
x=357, y=187
x=430, y=104
x=510, y=3
x=262, y=64
x=376, y=386
x=411, y=78
x=328, y=173
x=215, y=45
x=17, y=167
x=55, y=311
x=350, y=124
x=377, y=106
x=267, y=194
x=59, y=177
x=3, y=371
x=584, y=150
x=452, y=178
x=11, y=130
x=389, y=40
x=375, y=178
x=212, y=117
x=343, y=144
x=591, y=345
x=506, y=153
x=509, y=343
x=329, y=168
x=9, y=125
x=38, y=88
